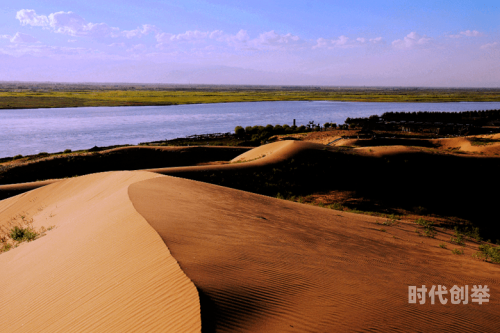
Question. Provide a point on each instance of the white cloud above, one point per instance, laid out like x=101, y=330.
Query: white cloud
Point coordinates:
x=139, y=32
x=117, y=45
x=29, y=17
x=72, y=24
x=67, y=23
x=473, y=33
x=240, y=39
x=363, y=40
x=188, y=36
x=377, y=40
x=490, y=45
x=273, y=38
x=22, y=38
x=467, y=33
x=411, y=40
x=342, y=41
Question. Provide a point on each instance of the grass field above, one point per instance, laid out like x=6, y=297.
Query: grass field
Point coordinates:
x=58, y=99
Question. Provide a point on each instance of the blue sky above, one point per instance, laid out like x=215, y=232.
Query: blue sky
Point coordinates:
x=372, y=43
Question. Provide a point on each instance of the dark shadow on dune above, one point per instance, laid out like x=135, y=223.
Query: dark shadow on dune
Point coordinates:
x=208, y=310
x=446, y=185
x=133, y=158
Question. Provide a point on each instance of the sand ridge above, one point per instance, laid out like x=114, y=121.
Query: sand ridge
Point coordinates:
x=101, y=269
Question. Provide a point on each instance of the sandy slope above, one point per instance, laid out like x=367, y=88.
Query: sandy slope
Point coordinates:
x=464, y=145
x=268, y=265
x=102, y=269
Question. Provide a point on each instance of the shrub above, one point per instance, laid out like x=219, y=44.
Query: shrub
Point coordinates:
x=443, y=246
x=278, y=129
x=487, y=251
x=457, y=251
x=429, y=229
x=459, y=237
x=67, y=151
x=238, y=131
x=17, y=157
x=301, y=128
x=17, y=233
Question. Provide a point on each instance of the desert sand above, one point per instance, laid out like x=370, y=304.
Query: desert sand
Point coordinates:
x=101, y=269
x=142, y=251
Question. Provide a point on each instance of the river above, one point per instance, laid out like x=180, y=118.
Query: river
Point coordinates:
x=30, y=131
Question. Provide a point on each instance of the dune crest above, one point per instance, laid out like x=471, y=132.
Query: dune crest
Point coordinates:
x=101, y=269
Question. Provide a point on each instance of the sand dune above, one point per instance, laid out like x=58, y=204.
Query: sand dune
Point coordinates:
x=268, y=265
x=266, y=155
x=465, y=145
x=130, y=249
x=101, y=269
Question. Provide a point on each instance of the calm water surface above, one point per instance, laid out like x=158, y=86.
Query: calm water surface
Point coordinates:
x=31, y=131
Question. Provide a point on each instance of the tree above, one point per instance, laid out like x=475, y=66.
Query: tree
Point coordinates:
x=239, y=131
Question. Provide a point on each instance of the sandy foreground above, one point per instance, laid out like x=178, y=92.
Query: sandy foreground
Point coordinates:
x=136, y=251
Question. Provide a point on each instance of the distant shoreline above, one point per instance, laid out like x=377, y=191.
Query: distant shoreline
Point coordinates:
x=36, y=96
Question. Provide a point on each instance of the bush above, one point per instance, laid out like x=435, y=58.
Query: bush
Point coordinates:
x=459, y=237
x=487, y=251
x=67, y=151
x=238, y=131
x=278, y=129
x=333, y=125
x=429, y=229
x=17, y=233
x=17, y=157
x=301, y=128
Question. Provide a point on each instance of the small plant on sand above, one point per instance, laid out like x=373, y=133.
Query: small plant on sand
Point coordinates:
x=488, y=252
x=458, y=237
x=336, y=206
x=443, y=246
x=19, y=229
x=429, y=229
x=389, y=223
x=457, y=251
x=382, y=229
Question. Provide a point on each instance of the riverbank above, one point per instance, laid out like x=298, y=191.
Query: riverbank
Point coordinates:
x=31, y=96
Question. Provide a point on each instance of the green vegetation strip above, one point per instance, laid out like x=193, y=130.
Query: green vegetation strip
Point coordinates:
x=59, y=99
